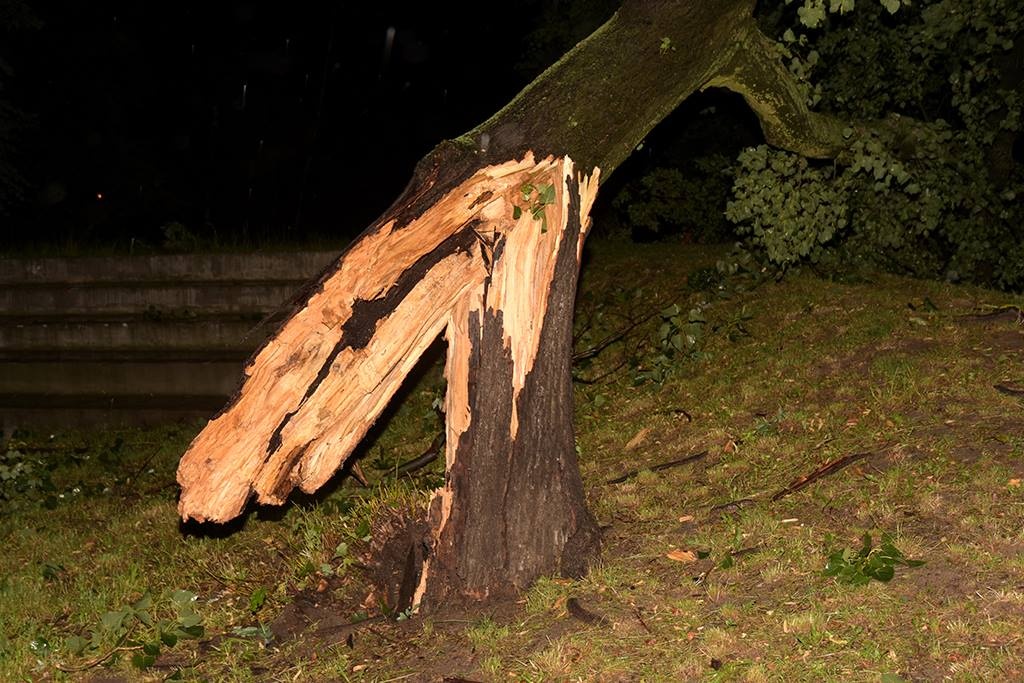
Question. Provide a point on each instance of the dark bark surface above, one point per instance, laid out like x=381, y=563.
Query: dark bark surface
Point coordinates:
x=518, y=509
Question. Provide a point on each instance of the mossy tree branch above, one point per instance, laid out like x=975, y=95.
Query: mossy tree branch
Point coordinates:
x=756, y=71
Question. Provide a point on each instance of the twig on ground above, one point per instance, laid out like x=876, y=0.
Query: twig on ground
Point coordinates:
x=658, y=467
x=997, y=311
x=595, y=380
x=426, y=457
x=823, y=471
x=433, y=450
x=611, y=338
x=824, y=441
x=102, y=658
x=357, y=473
x=1008, y=390
x=636, y=611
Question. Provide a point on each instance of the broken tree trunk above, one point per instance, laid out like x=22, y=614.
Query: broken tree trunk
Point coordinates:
x=493, y=264
x=483, y=246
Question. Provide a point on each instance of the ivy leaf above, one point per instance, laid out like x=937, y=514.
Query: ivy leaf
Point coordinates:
x=76, y=644
x=112, y=621
x=891, y=5
x=812, y=13
x=143, y=661
x=183, y=598
x=546, y=195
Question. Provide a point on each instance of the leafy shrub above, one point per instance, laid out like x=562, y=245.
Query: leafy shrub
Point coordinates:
x=688, y=201
x=927, y=189
x=22, y=478
x=859, y=567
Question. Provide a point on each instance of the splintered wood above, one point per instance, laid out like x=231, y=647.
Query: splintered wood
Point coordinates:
x=315, y=388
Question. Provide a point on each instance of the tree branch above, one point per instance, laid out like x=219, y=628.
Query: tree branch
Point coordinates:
x=757, y=72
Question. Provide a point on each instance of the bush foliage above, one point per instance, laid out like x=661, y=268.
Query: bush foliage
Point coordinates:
x=928, y=184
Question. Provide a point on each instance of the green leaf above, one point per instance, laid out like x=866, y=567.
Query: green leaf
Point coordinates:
x=812, y=13
x=866, y=544
x=143, y=603
x=189, y=620
x=195, y=631
x=892, y=6
x=246, y=631
x=168, y=639
x=256, y=600
x=76, y=644
x=884, y=573
x=182, y=598
x=142, y=661
x=546, y=194
x=112, y=621
x=517, y=211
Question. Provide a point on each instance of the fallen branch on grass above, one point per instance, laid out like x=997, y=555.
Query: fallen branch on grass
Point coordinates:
x=1009, y=391
x=659, y=467
x=120, y=647
x=426, y=457
x=612, y=338
x=823, y=471
x=995, y=311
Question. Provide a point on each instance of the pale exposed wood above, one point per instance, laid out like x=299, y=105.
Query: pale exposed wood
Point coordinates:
x=312, y=392
x=519, y=287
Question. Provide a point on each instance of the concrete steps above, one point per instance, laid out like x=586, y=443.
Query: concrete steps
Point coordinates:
x=136, y=339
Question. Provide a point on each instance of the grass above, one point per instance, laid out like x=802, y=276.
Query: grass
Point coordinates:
x=820, y=371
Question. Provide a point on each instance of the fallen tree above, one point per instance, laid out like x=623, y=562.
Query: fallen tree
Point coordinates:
x=484, y=247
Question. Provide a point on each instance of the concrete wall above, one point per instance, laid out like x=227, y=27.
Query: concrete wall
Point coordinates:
x=136, y=339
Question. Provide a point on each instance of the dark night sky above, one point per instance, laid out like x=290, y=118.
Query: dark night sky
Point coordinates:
x=250, y=122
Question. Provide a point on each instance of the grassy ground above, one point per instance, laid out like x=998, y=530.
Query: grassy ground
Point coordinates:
x=712, y=569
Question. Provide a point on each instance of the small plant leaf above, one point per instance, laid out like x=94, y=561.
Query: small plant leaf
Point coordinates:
x=546, y=194
x=256, y=600
x=112, y=621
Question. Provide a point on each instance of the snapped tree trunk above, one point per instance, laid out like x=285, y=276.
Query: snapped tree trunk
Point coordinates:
x=483, y=246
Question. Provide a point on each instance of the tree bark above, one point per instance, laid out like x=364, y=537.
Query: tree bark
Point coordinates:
x=484, y=245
